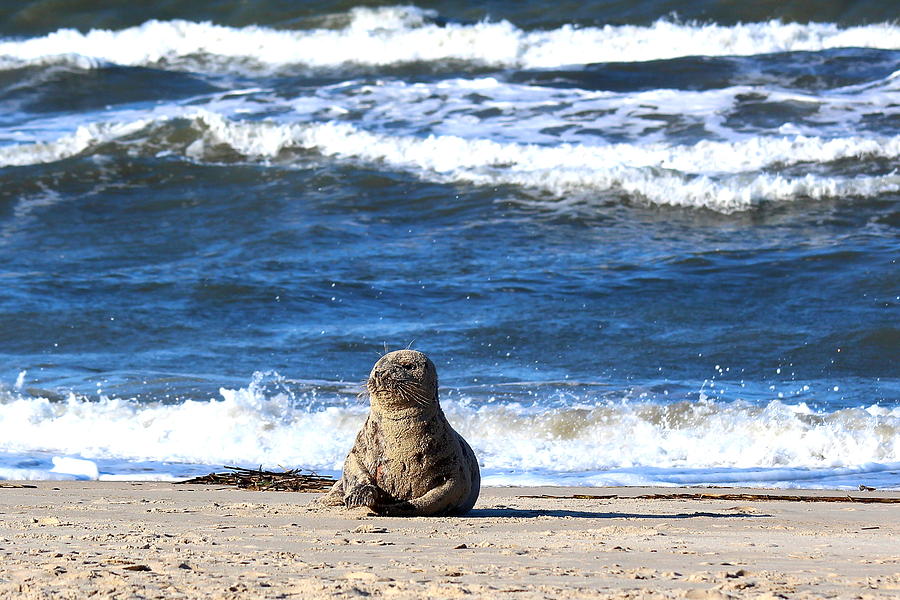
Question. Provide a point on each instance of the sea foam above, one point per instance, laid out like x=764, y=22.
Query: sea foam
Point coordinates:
x=722, y=176
x=394, y=35
x=488, y=107
x=587, y=441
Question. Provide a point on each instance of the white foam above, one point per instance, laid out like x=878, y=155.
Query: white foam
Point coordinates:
x=720, y=176
x=666, y=39
x=489, y=108
x=570, y=168
x=77, y=468
x=725, y=195
x=702, y=435
x=392, y=35
x=15, y=474
x=244, y=427
x=74, y=61
x=592, y=442
x=66, y=146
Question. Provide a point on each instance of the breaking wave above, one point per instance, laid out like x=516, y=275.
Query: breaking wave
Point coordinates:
x=405, y=34
x=590, y=441
x=721, y=176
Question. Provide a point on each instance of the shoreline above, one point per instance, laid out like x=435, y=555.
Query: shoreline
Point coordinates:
x=165, y=540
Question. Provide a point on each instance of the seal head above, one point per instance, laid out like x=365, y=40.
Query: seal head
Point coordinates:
x=403, y=383
x=407, y=459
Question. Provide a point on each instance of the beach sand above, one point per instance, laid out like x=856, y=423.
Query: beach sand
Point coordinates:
x=162, y=540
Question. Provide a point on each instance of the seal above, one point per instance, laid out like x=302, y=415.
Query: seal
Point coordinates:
x=407, y=460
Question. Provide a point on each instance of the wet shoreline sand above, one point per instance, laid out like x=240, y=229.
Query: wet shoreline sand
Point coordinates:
x=162, y=540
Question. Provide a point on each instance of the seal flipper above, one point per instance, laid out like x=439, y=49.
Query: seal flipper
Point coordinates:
x=359, y=487
x=362, y=495
x=397, y=509
x=441, y=500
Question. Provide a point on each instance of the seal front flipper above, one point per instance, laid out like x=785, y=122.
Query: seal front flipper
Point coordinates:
x=358, y=486
x=362, y=495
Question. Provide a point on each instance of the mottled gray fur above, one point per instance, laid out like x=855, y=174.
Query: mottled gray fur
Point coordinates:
x=407, y=460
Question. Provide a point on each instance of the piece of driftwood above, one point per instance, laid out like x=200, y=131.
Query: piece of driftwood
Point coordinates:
x=292, y=480
x=732, y=497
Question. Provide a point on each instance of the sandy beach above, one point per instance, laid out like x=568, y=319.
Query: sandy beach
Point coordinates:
x=162, y=540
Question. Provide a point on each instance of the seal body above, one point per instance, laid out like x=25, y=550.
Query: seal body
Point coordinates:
x=407, y=459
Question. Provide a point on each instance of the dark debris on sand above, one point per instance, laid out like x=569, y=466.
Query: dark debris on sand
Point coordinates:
x=292, y=480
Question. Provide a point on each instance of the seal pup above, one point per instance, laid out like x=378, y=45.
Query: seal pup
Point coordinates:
x=407, y=460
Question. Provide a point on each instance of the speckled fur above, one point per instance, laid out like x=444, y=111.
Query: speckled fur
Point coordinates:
x=407, y=459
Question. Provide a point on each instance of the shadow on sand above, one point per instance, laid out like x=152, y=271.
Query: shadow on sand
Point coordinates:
x=580, y=514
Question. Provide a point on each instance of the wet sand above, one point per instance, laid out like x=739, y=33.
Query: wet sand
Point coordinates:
x=161, y=540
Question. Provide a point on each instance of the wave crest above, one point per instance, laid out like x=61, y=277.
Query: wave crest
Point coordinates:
x=594, y=438
x=396, y=35
x=714, y=175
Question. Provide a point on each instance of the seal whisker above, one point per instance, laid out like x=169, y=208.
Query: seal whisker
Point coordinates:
x=415, y=387
x=409, y=393
x=422, y=398
x=363, y=389
x=418, y=392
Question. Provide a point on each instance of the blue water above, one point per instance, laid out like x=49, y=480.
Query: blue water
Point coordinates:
x=640, y=248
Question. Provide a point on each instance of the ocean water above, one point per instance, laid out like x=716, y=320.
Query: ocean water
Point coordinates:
x=643, y=244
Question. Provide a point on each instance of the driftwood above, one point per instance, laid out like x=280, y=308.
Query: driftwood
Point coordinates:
x=292, y=480
x=732, y=497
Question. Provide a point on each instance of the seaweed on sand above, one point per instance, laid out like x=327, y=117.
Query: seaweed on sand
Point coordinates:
x=291, y=480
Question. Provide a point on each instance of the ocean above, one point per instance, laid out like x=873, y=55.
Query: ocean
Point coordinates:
x=649, y=243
